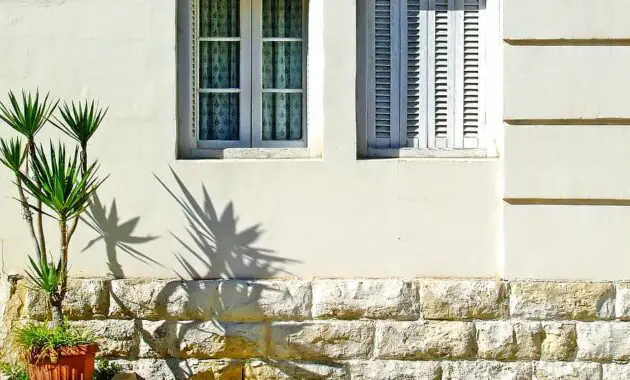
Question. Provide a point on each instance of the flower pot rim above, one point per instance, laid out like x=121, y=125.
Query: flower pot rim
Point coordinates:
x=67, y=351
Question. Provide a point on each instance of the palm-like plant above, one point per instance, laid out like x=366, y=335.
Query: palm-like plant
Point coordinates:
x=80, y=121
x=54, y=183
x=29, y=116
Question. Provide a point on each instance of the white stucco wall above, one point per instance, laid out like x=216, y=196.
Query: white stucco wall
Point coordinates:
x=331, y=217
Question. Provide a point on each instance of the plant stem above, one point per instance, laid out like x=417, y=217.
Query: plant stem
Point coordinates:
x=28, y=215
x=84, y=166
x=40, y=218
x=63, y=227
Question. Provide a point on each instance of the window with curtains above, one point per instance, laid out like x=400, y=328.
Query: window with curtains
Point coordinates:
x=421, y=74
x=248, y=73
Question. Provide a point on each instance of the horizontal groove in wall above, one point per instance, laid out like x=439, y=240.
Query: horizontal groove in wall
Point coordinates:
x=567, y=122
x=569, y=42
x=566, y=202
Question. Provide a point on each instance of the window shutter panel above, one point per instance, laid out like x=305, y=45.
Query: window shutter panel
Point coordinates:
x=471, y=117
x=414, y=100
x=442, y=55
x=382, y=73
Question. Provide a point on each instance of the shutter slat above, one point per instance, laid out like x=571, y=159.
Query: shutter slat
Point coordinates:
x=416, y=134
x=382, y=68
x=441, y=72
x=471, y=73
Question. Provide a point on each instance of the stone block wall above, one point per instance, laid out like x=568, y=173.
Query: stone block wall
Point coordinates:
x=349, y=329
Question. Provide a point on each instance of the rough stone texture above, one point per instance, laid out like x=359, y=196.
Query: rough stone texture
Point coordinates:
x=616, y=371
x=464, y=299
x=394, y=370
x=567, y=371
x=85, y=299
x=162, y=369
x=554, y=300
x=509, y=341
x=207, y=340
x=247, y=301
x=163, y=299
x=158, y=339
x=560, y=341
x=603, y=341
x=374, y=299
x=218, y=370
x=322, y=340
x=486, y=370
x=424, y=340
x=116, y=338
x=287, y=370
x=622, y=301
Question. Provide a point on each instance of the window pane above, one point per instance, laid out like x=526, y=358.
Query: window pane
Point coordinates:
x=282, y=116
x=219, y=64
x=219, y=18
x=282, y=18
x=282, y=65
x=218, y=116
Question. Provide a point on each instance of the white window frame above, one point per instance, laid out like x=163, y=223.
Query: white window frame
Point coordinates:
x=490, y=118
x=251, y=144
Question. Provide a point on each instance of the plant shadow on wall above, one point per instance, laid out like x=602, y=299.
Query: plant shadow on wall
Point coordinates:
x=194, y=313
x=116, y=235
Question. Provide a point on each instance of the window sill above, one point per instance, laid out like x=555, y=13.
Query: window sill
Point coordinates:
x=253, y=153
x=375, y=153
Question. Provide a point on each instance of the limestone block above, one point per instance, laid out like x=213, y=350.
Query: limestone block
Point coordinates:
x=554, y=300
x=255, y=301
x=503, y=340
x=486, y=370
x=464, y=299
x=163, y=299
x=394, y=370
x=567, y=371
x=622, y=303
x=424, y=340
x=86, y=298
x=207, y=340
x=225, y=369
x=603, y=341
x=158, y=339
x=616, y=371
x=560, y=341
x=290, y=370
x=115, y=338
x=322, y=340
x=374, y=299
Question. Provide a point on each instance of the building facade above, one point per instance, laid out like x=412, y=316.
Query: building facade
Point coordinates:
x=292, y=181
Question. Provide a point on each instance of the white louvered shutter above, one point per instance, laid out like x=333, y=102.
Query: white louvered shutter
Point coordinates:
x=471, y=87
x=427, y=74
x=382, y=133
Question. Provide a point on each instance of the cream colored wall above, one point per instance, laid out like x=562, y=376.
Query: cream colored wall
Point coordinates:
x=567, y=140
x=330, y=217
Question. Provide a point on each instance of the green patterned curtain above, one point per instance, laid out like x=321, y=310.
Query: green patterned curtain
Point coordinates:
x=219, y=69
x=282, y=69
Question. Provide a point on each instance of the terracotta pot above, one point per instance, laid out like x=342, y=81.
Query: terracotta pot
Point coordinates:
x=74, y=363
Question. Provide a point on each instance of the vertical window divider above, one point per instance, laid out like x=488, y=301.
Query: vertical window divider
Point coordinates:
x=194, y=63
x=246, y=76
x=256, y=72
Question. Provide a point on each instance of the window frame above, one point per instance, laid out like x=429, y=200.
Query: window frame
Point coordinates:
x=251, y=91
x=368, y=145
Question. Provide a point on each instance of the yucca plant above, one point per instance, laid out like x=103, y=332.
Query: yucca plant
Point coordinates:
x=56, y=182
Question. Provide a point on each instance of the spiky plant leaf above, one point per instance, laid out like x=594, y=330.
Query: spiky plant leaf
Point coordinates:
x=12, y=154
x=80, y=120
x=28, y=116
x=45, y=276
x=58, y=183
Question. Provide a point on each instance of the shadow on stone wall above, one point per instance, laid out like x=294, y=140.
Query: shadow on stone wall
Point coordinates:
x=216, y=314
